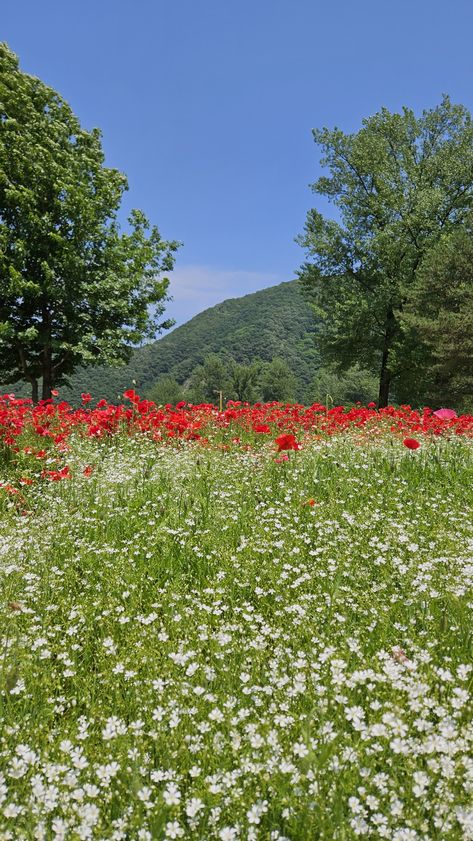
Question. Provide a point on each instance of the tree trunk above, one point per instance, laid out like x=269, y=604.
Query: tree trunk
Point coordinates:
x=385, y=373
x=34, y=390
x=384, y=382
x=28, y=376
x=47, y=367
x=48, y=383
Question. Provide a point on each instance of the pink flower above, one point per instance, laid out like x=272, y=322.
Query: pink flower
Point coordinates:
x=445, y=414
x=282, y=457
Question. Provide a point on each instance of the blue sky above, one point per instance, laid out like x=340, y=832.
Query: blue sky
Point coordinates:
x=208, y=106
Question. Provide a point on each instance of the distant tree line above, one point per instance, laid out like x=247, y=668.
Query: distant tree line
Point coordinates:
x=263, y=381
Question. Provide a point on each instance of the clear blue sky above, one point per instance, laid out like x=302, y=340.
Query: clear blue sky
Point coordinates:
x=208, y=106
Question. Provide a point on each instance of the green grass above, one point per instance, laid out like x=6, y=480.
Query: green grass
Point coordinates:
x=191, y=650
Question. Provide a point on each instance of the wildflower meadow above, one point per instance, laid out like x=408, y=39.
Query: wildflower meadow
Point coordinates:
x=245, y=624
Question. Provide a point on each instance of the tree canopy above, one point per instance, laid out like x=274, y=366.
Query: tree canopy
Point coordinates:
x=166, y=390
x=402, y=186
x=277, y=381
x=210, y=377
x=440, y=310
x=74, y=288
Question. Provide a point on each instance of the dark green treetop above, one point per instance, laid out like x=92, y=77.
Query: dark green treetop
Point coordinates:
x=440, y=310
x=210, y=378
x=244, y=381
x=277, y=382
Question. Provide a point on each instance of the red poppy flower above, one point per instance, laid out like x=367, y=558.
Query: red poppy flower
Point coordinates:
x=287, y=441
x=86, y=397
x=411, y=443
x=131, y=394
x=262, y=428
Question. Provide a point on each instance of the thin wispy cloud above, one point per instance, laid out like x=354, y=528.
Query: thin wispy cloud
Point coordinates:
x=196, y=288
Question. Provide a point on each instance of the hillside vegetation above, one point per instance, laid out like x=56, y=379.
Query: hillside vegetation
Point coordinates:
x=275, y=322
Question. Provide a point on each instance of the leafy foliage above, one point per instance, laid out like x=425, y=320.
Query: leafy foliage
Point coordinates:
x=244, y=382
x=74, y=289
x=210, y=378
x=165, y=390
x=277, y=381
x=400, y=184
x=335, y=387
x=441, y=311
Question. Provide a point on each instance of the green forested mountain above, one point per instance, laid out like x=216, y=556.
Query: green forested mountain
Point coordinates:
x=275, y=322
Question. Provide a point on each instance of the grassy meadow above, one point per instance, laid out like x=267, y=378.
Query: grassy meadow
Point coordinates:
x=210, y=639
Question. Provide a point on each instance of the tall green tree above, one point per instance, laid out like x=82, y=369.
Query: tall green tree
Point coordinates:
x=74, y=289
x=399, y=184
x=208, y=379
x=165, y=390
x=244, y=381
x=277, y=381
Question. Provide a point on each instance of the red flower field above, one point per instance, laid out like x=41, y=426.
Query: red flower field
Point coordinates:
x=42, y=432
